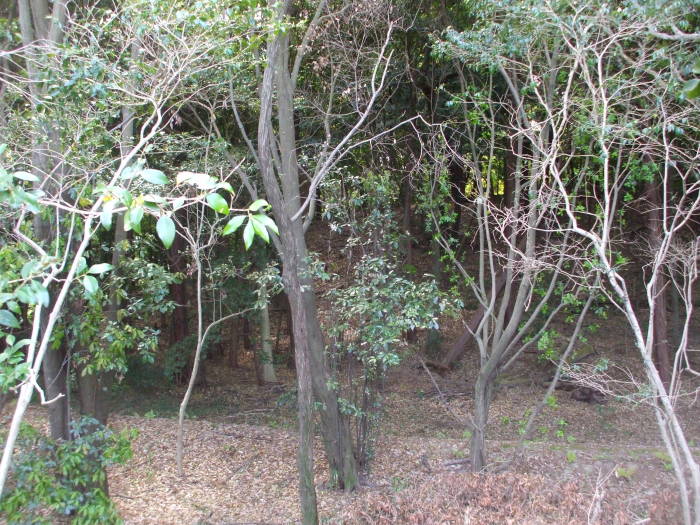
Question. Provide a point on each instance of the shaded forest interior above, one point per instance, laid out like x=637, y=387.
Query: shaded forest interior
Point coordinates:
x=370, y=261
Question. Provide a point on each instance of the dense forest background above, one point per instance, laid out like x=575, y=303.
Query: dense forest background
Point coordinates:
x=444, y=253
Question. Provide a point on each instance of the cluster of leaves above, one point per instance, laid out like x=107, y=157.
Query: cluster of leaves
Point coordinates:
x=373, y=315
x=102, y=344
x=64, y=478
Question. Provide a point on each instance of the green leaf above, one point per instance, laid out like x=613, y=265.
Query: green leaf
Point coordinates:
x=41, y=294
x=692, y=88
x=106, y=219
x=23, y=175
x=8, y=319
x=153, y=198
x=248, y=234
x=233, y=225
x=135, y=215
x=696, y=70
x=123, y=195
x=154, y=176
x=130, y=171
x=260, y=203
x=82, y=265
x=25, y=295
x=166, y=230
x=218, y=203
x=226, y=186
x=28, y=199
x=100, y=268
x=3, y=147
x=28, y=268
x=90, y=283
x=267, y=221
x=260, y=229
x=201, y=180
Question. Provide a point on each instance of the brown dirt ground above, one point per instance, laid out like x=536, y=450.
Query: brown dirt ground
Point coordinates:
x=240, y=459
x=240, y=455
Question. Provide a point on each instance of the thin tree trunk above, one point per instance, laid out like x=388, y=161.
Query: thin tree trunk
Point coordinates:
x=283, y=194
x=661, y=347
x=55, y=374
x=266, y=366
x=482, y=403
x=234, y=337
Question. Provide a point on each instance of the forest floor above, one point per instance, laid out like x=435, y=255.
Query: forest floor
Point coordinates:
x=602, y=461
x=584, y=463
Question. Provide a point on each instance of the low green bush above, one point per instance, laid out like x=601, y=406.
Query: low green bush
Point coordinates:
x=53, y=478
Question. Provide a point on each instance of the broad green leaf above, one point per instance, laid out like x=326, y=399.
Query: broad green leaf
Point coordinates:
x=218, y=203
x=106, y=219
x=82, y=265
x=260, y=203
x=267, y=221
x=41, y=294
x=201, y=180
x=233, y=225
x=135, y=215
x=260, y=229
x=130, y=172
x=226, y=186
x=123, y=195
x=153, y=198
x=100, y=268
x=90, y=283
x=248, y=234
x=151, y=206
x=28, y=269
x=28, y=199
x=692, y=88
x=8, y=319
x=25, y=295
x=166, y=230
x=154, y=176
x=24, y=175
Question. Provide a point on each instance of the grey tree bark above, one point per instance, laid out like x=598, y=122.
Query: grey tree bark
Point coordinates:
x=276, y=152
x=39, y=23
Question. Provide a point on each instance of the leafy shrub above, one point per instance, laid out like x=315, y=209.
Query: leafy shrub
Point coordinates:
x=177, y=356
x=53, y=478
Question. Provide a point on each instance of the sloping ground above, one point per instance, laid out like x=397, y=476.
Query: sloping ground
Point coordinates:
x=247, y=474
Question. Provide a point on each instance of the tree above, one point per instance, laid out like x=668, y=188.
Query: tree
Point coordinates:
x=276, y=155
x=76, y=87
x=602, y=111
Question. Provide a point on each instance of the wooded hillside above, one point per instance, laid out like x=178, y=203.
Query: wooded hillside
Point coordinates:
x=443, y=253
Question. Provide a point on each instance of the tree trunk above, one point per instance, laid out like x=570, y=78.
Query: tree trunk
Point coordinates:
x=178, y=291
x=266, y=366
x=482, y=402
x=94, y=388
x=234, y=336
x=277, y=155
x=55, y=372
x=309, y=339
x=661, y=347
